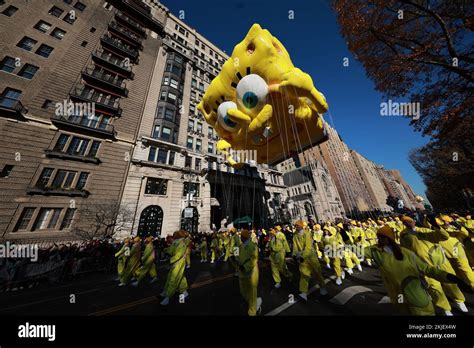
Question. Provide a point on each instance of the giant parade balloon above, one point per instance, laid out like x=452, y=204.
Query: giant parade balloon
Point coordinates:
x=261, y=103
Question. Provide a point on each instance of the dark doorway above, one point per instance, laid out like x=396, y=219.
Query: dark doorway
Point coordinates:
x=151, y=220
x=190, y=224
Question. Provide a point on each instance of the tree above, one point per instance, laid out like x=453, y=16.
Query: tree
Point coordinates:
x=423, y=51
x=102, y=220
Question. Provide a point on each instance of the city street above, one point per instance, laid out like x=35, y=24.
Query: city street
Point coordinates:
x=213, y=290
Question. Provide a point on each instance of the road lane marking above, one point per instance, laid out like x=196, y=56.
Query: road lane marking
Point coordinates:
x=153, y=298
x=385, y=299
x=348, y=293
x=287, y=305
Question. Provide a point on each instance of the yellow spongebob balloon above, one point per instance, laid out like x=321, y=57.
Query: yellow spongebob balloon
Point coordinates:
x=261, y=102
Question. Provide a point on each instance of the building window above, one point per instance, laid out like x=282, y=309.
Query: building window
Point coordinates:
x=198, y=144
x=42, y=26
x=55, y=11
x=70, y=17
x=78, y=146
x=44, y=178
x=6, y=171
x=9, y=11
x=210, y=147
x=24, y=219
x=80, y=6
x=190, y=125
x=28, y=71
x=47, y=218
x=152, y=154
x=187, y=162
x=191, y=188
x=27, y=43
x=94, y=148
x=156, y=186
x=162, y=155
x=171, y=158
x=190, y=142
x=193, y=83
x=64, y=179
x=69, y=2
x=61, y=143
x=197, y=164
x=81, y=182
x=199, y=128
x=58, y=33
x=44, y=50
x=8, y=64
x=156, y=132
x=174, y=83
x=166, y=80
x=84, y=43
x=93, y=30
x=169, y=114
x=165, y=133
x=9, y=97
x=67, y=220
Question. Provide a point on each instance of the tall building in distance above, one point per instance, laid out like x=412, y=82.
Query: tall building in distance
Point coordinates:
x=336, y=154
x=369, y=174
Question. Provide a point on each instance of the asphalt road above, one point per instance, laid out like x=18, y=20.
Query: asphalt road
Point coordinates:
x=213, y=291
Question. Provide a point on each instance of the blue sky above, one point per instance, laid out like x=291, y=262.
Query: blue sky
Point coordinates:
x=315, y=45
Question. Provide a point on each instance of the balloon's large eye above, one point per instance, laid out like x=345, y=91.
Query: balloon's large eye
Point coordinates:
x=222, y=117
x=251, y=92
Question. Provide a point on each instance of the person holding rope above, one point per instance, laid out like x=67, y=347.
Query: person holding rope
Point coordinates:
x=246, y=261
x=176, y=280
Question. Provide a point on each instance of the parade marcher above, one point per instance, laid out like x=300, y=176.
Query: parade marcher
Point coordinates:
x=148, y=263
x=278, y=247
x=176, y=280
x=189, y=243
x=247, y=263
x=403, y=274
x=425, y=243
x=227, y=246
x=203, y=248
x=455, y=251
x=215, y=249
x=122, y=256
x=133, y=262
x=305, y=254
x=332, y=245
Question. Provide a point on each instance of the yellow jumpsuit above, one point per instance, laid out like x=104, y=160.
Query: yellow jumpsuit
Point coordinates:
x=227, y=247
x=215, y=250
x=425, y=244
x=402, y=279
x=303, y=247
x=456, y=255
x=278, y=247
x=122, y=256
x=148, y=261
x=333, y=243
x=203, y=247
x=176, y=281
x=247, y=263
x=132, y=264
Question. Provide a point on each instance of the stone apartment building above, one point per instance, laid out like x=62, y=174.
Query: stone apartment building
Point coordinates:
x=92, y=58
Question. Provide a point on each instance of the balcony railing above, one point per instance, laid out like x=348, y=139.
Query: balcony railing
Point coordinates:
x=88, y=95
x=85, y=124
x=105, y=57
x=168, y=42
x=120, y=46
x=12, y=105
x=53, y=191
x=130, y=21
x=108, y=79
x=129, y=34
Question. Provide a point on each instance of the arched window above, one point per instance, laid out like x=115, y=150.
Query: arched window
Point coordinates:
x=151, y=220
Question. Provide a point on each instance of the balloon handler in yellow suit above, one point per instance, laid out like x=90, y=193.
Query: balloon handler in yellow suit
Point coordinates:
x=148, y=263
x=122, y=256
x=305, y=254
x=133, y=262
x=403, y=274
x=246, y=261
x=176, y=280
x=278, y=247
x=426, y=244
